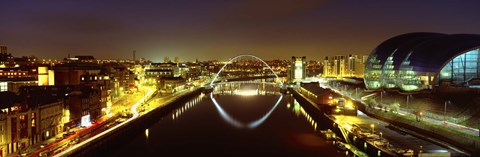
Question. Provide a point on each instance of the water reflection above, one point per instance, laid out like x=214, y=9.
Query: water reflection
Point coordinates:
x=245, y=89
x=146, y=133
x=188, y=105
x=238, y=124
x=198, y=127
x=299, y=111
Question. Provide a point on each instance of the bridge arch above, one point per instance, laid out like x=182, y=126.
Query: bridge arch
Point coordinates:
x=253, y=56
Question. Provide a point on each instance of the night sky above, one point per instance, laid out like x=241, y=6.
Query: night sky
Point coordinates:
x=189, y=29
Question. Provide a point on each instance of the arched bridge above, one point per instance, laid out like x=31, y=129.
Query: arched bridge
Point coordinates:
x=236, y=57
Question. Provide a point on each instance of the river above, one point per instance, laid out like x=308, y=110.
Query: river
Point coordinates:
x=239, y=120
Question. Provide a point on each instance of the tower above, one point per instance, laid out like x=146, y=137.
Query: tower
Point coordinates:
x=3, y=49
x=298, y=69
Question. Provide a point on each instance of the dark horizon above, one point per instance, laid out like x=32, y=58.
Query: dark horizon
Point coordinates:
x=221, y=30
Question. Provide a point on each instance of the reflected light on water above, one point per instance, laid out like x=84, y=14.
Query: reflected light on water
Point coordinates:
x=146, y=133
x=298, y=110
x=246, y=92
x=188, y=105
x=239, y=124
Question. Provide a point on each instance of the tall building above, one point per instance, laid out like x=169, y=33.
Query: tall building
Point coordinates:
x=3, y=49
x=328, y=66
x=5, y=57
x=298, y=69
x=356, y=66
x=339, y=65
x=342, y=66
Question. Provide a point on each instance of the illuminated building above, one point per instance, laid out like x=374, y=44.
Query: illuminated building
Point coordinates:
x=5, y=57
x=418, y=61
x=166, y=76
x=11, y=79
x=28, y=119
x=298, y=69
x=342, y=66
x=45, y=77
x=104, y=85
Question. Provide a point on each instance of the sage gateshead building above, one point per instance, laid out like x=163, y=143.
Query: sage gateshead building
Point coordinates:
x=419, y=61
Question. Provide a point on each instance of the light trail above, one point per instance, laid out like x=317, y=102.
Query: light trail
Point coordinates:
x=239, y=124
x=83, y=143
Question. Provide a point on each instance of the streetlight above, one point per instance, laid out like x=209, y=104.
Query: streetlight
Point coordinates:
x=373, y=128
x=408, y=96
x=445, y=112
x=381, y=97
x=356, y=92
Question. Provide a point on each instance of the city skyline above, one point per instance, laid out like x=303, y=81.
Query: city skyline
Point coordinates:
x=191, y=29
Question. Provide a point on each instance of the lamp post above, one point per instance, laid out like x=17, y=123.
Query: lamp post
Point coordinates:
x=445, y=112
x=408, y=96
x=381, y=97
x=356, y=92
x=373, y=128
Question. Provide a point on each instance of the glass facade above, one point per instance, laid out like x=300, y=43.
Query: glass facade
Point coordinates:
x=418, y=61
x=388, y=74
x=408, y=79
x=461, y=69
x=373, y=71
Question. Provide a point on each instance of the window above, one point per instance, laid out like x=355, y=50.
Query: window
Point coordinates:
x=462, y=68
x=3, y=86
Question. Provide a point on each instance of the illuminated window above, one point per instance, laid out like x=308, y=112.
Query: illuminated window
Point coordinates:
x=462, y=68
x=3, y=86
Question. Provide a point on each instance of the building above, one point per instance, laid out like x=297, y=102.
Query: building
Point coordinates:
x=69, y=73
x=343, y=66
x=158, y=73
x=298, y=69
x=28, y=119
x=356, y=66
x=103, y=84
x=11, y=79
x=5, y=57
x=3, y=49
x=418, y=61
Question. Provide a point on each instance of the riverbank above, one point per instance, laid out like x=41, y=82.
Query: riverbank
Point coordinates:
x=109, y=141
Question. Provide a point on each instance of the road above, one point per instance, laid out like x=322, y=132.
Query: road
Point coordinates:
x=59, y=142
x=136, y=110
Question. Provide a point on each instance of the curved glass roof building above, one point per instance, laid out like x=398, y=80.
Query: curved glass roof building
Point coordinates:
x=417, y=61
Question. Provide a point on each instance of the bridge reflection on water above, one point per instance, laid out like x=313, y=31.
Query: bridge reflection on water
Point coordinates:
x=246, y=119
